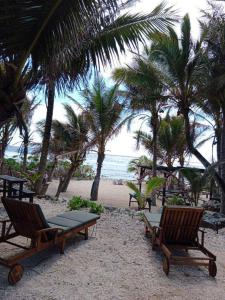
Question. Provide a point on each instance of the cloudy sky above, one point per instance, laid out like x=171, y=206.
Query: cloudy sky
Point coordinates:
x=124, y=143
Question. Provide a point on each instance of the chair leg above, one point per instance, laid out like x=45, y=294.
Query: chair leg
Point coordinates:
x=86, y=233
x=62, y=246
x=166, y=265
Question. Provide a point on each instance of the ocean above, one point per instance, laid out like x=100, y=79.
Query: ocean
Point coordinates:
x=114, y=166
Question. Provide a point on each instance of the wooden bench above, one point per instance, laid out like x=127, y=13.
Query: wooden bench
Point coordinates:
x=25, y=194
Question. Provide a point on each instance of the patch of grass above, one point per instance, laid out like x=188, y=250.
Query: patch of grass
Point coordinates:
x=77, y=203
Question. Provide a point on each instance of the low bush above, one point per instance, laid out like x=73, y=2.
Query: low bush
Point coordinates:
x=77, y=203
x=175, y=201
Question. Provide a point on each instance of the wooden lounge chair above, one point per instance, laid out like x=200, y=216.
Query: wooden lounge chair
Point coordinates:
x=27, y=220
x=177, y=228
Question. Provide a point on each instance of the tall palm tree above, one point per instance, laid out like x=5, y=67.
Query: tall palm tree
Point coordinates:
x=59, y=48
x=103, y=110
x=212, y=85
x=74, y=140
x=181, y=66
x=146, y=93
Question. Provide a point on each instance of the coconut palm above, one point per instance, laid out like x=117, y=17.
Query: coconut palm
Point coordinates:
x=146, y=92
x=24, y=120
x=134, y=163
x=181, y=65
x=73, y=138
x=212, y=85
x=103, y=109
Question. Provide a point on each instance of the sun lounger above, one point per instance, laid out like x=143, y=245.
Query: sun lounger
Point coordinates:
x=175, y=229
x=27, y=220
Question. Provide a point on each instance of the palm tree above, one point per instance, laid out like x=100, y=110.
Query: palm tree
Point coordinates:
x=59, y=48
x=212, y=85
x=134, y=163
x=181, y=66
x=24, y=117
x=172, y=143
x=146, y=93
x=74, y=140
x=103, y=110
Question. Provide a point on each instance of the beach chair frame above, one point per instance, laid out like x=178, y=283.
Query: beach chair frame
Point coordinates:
x=178, y=229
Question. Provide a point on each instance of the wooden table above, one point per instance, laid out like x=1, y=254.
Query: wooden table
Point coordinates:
x=8, y=182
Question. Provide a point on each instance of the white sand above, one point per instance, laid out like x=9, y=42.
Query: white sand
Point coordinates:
x=109, y=193
x=115, y=263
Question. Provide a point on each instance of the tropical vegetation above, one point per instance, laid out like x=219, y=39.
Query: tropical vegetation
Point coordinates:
x=151, y=186
x=174, y=85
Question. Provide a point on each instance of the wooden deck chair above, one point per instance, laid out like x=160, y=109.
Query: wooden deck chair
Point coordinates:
x=177, y=228
x=27, y=220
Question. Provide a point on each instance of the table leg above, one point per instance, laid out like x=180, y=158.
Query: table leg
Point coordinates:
x=21, y=191
x=4, y=188
x=9, y=189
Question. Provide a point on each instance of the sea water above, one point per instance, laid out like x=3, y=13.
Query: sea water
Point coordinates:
x=114, y=166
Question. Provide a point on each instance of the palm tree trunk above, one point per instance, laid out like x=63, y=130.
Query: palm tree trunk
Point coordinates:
x=51, y=172
x=219, y=179
x=46, y=137
x=25, y=151
x=63, y=184
x=222, y=160
x=95, y=185
x=4, y=140
x=154, y=124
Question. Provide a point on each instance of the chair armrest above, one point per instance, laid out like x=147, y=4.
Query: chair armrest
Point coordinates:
x=41, y=232
x=45, y=230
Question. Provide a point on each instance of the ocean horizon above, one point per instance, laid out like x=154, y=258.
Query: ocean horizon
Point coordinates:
x=114, y=166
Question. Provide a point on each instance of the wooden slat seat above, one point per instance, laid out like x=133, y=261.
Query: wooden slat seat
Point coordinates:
x=79, y=216
x=177, y=227
x=28, y=220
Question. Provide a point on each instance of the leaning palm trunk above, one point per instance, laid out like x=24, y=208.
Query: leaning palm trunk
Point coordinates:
x=154, y=123
x=222, y=160
x=95, y=185
x=218, y=178
x=64, y=183
x=46, y=137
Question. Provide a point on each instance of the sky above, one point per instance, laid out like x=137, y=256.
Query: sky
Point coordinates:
x=124, y=144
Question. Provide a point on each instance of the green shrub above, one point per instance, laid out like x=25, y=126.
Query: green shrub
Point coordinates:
x=77, y=203
x=96, y=208
x=12, y=163
x=175, y=201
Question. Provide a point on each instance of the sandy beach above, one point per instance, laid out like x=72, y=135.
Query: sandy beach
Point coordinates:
x=116, y=263
x=109, y=193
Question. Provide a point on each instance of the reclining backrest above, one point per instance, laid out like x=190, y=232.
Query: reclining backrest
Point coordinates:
x=27, y=218
x=180, y=224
